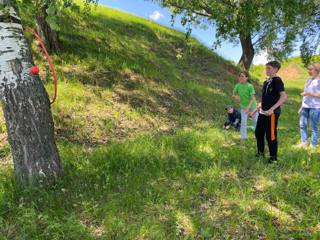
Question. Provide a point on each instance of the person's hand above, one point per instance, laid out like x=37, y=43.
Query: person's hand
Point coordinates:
x=258, y=106
x=247, y=110
x=227, y=127
x=269, y=112
x=237, y=98
x=304, y=94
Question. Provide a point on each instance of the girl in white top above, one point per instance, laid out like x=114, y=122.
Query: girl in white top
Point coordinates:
x=310, y=109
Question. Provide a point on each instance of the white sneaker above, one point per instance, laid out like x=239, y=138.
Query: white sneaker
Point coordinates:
x=302, y=145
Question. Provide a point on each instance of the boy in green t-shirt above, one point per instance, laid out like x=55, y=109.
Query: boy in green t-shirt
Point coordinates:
x=244, y=93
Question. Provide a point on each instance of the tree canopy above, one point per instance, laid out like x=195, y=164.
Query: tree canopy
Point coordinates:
x=258, y=25
x=46, y=15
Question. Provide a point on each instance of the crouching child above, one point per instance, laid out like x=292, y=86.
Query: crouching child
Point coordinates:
x=234, y=118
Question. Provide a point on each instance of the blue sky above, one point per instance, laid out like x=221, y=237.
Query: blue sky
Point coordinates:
x=155, y=12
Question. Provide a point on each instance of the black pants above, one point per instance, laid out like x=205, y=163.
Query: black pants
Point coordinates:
x=267, y=127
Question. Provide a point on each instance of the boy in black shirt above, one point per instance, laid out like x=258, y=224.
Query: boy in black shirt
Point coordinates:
x=273, y=96
x=234, y=118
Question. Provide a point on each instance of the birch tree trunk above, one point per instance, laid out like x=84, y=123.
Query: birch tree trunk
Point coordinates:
x=25, y=105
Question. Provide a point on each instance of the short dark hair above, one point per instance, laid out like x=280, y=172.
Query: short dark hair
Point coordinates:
x=228, y=106
x=246, y=73
x=274, y=64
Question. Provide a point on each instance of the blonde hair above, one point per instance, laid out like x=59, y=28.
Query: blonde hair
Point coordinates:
x=315, y=66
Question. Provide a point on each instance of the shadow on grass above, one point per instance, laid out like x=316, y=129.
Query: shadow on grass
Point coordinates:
x=117, y=188
x=143, y=70
x=101, y=185
x=183, y=186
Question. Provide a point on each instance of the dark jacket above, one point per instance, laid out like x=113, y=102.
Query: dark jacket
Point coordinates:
x=232, y=117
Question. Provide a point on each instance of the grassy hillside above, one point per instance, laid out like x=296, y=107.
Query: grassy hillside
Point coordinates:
x=138, y=122
x=122, y=75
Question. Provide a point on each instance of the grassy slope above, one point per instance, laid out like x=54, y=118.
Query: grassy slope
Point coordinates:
x=143, y=154
x=134, y=80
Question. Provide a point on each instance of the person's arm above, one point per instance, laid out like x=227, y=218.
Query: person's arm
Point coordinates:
x=236, y=97
x=252, y=98
x=311, y=94
x=303, y=94
x=235, y=94
x=255, y=110
x=237, y=118
x=227, y=124
x=282, y=100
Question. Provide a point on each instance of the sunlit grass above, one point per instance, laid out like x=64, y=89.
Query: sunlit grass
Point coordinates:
x=139, y=133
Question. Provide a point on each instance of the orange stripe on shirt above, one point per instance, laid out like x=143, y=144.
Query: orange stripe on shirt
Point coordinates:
x=273, y=127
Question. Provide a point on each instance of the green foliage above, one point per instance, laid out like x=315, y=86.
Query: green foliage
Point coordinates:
x=53, y=16
x=54, y=9
x=274, y=26
x=310, y=47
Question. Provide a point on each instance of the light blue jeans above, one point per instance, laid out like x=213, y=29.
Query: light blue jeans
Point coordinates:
x=244, y=123
x=314, y=115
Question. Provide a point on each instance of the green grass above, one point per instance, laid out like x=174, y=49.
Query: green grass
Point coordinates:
x=125, y=75
x=144, y=157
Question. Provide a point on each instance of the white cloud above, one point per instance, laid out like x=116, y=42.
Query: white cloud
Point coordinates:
x=156, y=16
x=261, y=58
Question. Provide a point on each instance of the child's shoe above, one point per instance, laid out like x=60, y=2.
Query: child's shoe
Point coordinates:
x=302, y=145
x=272, y=160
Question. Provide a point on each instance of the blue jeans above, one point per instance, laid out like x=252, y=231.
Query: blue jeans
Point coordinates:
x=244, y=123
x=314, y=115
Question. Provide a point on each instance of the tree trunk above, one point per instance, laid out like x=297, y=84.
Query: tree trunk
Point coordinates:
x=247, y=52
x=25, y=105
x=48, y=35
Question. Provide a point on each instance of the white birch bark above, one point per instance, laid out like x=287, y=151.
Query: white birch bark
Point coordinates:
x=25, y=104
